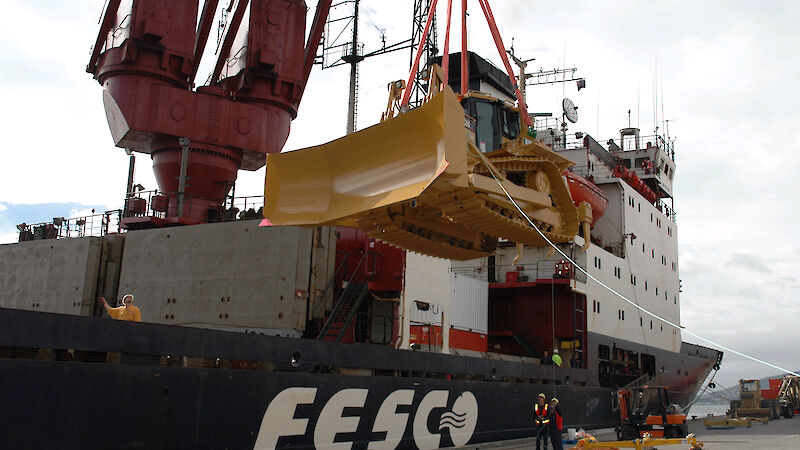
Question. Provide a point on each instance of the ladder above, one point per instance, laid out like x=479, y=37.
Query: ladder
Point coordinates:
x=578, y=333
x=346, y=307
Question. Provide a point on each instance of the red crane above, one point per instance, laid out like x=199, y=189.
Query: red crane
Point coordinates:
x=146, y=57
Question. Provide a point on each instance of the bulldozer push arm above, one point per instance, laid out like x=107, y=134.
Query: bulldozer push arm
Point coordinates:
x=417, y=181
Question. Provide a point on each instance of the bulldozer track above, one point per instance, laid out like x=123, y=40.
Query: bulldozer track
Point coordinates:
x=404, y=227
x=478, y=212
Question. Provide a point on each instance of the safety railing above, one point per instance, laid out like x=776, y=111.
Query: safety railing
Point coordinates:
x=652, y=140
x=345, y=308
x=143, y=203
x=549, y=269
x=83, y=226
x=155, y=203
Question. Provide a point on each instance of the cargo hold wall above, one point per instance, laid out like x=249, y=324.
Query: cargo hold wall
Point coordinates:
x=233, y=275
x=51, y=275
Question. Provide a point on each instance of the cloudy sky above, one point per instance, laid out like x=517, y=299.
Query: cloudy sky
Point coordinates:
x=727, y=72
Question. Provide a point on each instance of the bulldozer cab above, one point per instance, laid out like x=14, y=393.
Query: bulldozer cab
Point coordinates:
x=492, y=120
x=750, y=393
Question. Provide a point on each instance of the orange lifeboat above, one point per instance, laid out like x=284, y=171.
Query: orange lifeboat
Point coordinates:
x=583, y=190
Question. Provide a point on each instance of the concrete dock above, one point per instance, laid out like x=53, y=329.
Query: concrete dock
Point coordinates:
x=782, y=434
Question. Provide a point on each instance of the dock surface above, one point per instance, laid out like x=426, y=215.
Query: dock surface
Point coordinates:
x=782, y=434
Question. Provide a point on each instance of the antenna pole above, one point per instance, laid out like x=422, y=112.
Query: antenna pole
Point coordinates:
x=655, y=96
x=464, y=59
x=662, y=99
x=353, y=98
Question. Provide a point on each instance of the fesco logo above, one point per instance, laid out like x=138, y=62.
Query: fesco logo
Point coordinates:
x=279, y=421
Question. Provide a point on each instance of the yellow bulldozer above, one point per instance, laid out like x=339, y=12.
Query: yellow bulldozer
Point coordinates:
x=438, y=179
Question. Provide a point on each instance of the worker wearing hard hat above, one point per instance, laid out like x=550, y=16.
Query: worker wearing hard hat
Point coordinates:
x=541, y=413
x=556, y=358
x=556, y=424
x=127, y=311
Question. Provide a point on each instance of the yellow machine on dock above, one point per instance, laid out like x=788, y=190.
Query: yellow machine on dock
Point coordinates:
x=646, y=441
x=429, y=180
x=751, y=403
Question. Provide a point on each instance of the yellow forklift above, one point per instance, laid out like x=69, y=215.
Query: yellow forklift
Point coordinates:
x=789, y=396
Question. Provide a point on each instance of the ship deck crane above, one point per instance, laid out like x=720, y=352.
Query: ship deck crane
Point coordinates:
x=146, y=57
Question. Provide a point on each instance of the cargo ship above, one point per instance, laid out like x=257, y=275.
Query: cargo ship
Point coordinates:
x=365, y=302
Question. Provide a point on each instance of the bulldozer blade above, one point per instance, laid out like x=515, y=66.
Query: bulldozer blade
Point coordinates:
x=388, y=163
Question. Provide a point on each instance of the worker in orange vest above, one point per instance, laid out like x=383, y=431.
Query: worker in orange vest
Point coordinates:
x=556, y=425
x=541, y=412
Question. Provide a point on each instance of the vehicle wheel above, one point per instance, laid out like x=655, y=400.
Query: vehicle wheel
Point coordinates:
x=788, y=411
x=629, y=433
x=673, y=432
x=735, y=404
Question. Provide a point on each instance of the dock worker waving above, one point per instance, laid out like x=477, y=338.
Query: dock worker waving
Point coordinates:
x=127, y=312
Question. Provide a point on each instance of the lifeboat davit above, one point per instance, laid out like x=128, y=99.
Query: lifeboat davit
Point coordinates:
x=583, y=190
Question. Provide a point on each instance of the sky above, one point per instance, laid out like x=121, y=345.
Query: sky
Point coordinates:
x=727, y=77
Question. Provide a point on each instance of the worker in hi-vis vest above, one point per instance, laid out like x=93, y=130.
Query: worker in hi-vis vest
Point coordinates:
x=556, y=425
x=127, y=311
x=541, y=412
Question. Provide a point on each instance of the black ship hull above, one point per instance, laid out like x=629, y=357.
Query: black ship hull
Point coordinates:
x=83, y=382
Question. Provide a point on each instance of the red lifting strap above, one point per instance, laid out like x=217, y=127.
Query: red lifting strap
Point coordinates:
x=498, y=41
x=446, y=55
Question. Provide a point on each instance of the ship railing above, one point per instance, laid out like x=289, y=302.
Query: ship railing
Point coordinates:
x=639, y=382
x=81, y=226
x=549, y=130
x=543, y=270
x=593, y=173
x=348, y=302
x=669, y=212
x=614, y=145
x=155, y=203
x=603, y=172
